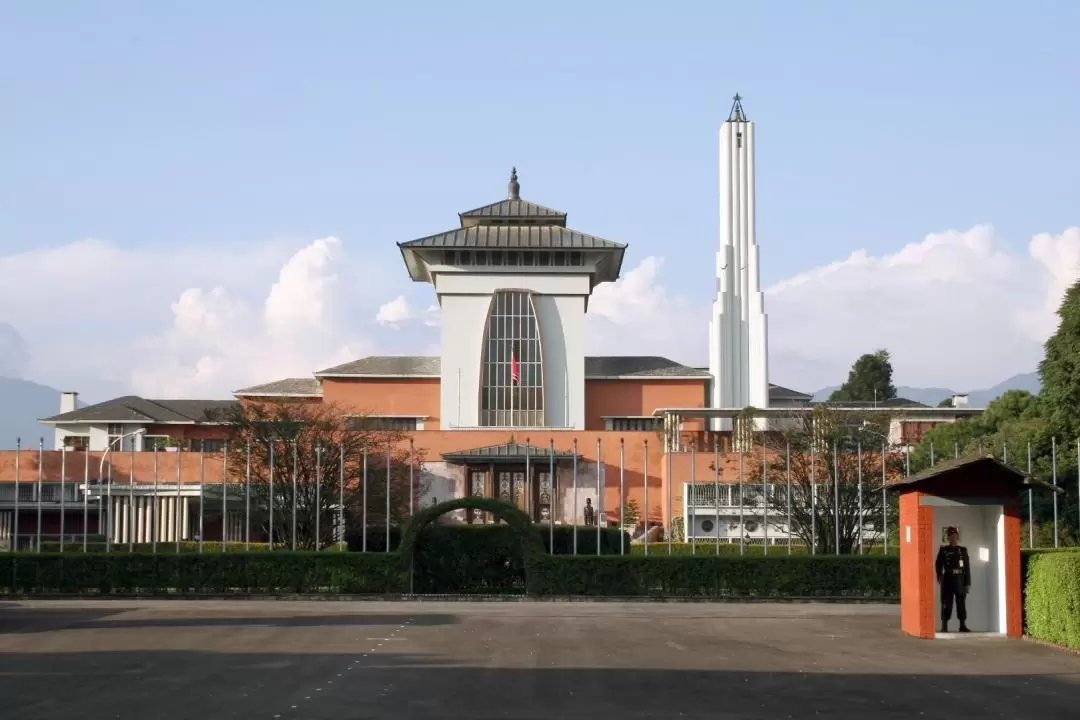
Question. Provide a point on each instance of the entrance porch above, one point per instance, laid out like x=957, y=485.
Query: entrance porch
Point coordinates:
x=525, y=476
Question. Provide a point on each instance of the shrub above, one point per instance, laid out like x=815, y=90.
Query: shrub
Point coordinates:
x=218, y=573
x=820, y=576
x=1052, y=596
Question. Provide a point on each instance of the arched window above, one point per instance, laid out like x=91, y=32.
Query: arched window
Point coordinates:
x=512, y=372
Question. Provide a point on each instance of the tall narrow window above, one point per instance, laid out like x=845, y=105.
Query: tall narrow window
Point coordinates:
x=512, y=373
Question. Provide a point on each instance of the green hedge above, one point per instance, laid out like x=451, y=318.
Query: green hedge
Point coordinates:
x=218, y=573
x=488, y=559
x=798, y=576
x=1052, y=596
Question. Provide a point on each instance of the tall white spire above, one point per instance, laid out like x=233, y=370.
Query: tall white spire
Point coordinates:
x=738, y=333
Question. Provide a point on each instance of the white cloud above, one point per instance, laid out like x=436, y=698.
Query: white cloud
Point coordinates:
x=218, y=343
x=955, y=309
x=399, y=312
x=394, y=312
x=170, y=323
x=636, y=315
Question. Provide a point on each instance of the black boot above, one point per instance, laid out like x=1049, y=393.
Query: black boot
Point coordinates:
x=964, y=628
x=944, y=627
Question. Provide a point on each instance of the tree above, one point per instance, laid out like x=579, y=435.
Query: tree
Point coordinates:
x=1059, y=370
x=631, y=512
x=869, y=380
x=835, y=461
x=324, y=450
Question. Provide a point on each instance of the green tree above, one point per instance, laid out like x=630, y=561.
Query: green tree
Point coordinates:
x=869, y=380
x=1059, y=370
x=835, y=458
x=323, y=449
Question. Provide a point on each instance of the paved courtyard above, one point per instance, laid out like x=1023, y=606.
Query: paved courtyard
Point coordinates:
x=163, y=660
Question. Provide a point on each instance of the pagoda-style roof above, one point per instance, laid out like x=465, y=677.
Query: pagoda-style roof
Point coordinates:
x=520, y=233
x=517, y=237
x=514, y=209
x=511, y=452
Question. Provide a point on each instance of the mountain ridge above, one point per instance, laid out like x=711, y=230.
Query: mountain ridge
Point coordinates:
x=976, y=398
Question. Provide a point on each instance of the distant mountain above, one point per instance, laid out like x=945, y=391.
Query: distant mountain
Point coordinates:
x=976, y=398
x=21, y=403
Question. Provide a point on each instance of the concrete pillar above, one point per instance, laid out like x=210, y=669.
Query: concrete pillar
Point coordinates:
x=185, y=519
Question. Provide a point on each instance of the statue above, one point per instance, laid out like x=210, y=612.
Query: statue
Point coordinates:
x=590, y=512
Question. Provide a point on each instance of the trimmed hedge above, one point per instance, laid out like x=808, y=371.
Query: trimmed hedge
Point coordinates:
x=1052, y=596
x=798, y=576
x=217, y=573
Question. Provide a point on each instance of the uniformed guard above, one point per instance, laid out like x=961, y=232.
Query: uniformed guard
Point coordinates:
x=954, y=578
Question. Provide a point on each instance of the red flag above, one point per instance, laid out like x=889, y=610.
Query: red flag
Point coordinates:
x=515, y=375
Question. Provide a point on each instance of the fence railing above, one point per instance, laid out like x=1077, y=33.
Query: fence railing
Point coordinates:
x=837, y=507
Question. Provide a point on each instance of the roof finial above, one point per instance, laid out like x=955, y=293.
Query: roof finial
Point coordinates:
x=737, y=114
x=514, y=186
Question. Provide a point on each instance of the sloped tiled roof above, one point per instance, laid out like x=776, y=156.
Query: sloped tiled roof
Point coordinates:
x=597, y=366
x=780, y=392
x=639, y=365
x=513, y=237
x=134, y=409
x=411, y=365
x=506, y=452
x=513, y=209
x=288, y=386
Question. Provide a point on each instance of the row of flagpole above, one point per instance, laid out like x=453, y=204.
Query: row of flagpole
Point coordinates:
x=106, y=521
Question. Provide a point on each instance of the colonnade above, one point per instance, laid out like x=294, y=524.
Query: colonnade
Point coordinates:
x=141, y=518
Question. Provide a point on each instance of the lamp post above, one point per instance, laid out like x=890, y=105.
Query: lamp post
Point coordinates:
x=108, y=487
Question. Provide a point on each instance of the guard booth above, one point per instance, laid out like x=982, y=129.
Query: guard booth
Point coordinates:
x=979, y=496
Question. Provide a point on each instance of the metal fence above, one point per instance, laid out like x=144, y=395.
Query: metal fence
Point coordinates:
x=780, y=501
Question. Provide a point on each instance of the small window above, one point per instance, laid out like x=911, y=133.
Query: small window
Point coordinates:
x=543, y=259
x=465, y=258
x=512, y=258
x=496, y=258
x=558, y=259
x=155, y=442
x=206, y=445
x=738, y=139
x=77, y=442
x=575, y=258
x=116, y=429
x=482, y=257
x=449, y=257
x=382, y=423
x=528, y=258
x=496, y=222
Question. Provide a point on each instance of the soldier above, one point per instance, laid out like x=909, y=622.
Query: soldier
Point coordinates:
x=590, y=513
x=954, y=578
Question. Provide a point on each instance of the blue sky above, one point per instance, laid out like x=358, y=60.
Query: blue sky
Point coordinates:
x=202, y=125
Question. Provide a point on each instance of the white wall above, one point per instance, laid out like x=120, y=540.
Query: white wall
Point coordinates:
x=981, y=532
x=560, y=308
x=463, y=318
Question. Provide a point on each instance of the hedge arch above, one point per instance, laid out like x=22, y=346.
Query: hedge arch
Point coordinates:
x=531, y=543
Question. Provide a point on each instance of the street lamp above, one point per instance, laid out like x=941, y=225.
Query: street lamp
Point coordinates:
x=108, y=487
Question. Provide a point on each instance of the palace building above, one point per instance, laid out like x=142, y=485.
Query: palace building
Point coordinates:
x=511, y=398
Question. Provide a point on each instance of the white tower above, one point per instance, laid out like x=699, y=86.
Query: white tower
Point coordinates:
x=738, y=333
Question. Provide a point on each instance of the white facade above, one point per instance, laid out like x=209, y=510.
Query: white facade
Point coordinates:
x=560, y=309
x=738, y=332
x=513, y=284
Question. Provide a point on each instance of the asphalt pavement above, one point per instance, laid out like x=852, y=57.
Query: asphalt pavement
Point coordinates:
x=165, y=660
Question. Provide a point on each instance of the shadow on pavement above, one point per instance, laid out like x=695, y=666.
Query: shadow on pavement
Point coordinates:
x=183, y=684
x=30, y=620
